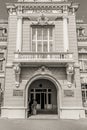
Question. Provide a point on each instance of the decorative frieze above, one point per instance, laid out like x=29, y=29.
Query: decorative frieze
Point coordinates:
x=64, y=7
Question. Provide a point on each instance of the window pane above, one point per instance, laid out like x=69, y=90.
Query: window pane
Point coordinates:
x=45, y=98
x=32, y=96
x=33, y=34
x=45, y=46
x=33, y=46
x=38, y=98
x=32, y=90
x=49, y=98
x=39, y=34
x=1, y=65
x=51, y=46
x=39, y=46
x=45, y=34
x=83, y=94
x=50, y=34
x=49, y=90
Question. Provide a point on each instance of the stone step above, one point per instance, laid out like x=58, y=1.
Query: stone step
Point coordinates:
x=44, y=117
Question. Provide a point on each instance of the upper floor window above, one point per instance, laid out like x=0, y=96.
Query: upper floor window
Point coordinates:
x=84, y=93
x=42, y=39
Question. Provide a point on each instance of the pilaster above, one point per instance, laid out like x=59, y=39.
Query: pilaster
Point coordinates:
x=19, y=34
x=65, y=34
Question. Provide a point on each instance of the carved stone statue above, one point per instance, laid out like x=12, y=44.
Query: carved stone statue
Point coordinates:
x=70, y=72
x=70, y=69
x=17, y=70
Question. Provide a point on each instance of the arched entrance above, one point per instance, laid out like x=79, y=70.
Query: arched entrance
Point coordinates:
x=46, y=93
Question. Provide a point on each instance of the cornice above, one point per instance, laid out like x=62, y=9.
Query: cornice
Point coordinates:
x=58, y=7
x=37, y=5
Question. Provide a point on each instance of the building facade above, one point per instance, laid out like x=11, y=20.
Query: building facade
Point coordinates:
x=44, y=59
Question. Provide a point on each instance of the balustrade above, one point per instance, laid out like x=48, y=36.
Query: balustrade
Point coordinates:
x=43, y=56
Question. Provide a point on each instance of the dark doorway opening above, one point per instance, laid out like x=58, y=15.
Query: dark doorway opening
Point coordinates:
x=42, y=100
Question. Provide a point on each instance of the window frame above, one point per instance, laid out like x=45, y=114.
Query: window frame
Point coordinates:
x=48, y=40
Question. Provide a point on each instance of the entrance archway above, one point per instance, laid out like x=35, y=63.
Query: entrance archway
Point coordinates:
x=46, y=93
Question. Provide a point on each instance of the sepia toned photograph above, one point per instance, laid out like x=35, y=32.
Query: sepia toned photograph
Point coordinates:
x=43, y=64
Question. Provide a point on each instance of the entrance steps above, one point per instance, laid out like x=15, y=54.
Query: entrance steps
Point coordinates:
x=43, y=117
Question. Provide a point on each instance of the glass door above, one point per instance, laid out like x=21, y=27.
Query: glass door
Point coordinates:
x=43, y=98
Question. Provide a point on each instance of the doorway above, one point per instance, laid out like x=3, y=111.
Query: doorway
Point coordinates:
x=45, y=94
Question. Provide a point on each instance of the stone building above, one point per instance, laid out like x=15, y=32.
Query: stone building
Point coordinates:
x=82, y=52
x=45, y=61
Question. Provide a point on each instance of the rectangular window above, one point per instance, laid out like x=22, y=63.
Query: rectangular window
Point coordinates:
x=42, y=39
x=84, y=92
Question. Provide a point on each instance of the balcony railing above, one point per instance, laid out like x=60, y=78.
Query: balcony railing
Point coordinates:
x=43, y=57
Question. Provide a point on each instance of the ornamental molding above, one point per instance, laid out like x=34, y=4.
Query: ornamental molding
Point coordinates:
x=21, y=7
x=42, y=71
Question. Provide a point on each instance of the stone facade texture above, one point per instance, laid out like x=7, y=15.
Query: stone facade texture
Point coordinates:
x=20, y=73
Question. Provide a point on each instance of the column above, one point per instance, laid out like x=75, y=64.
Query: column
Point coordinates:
x=65, y=34
x=19, y=34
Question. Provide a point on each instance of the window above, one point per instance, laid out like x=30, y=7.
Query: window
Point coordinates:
x=1, y=65
x=42, y=39
x=84, y=93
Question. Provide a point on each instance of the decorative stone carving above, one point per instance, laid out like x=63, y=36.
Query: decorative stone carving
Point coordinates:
x=43, y=70
x=42, y=20
x=11, y=10
x=17, y=70
x=47, y=6
x=70, y=69
x=70, y=72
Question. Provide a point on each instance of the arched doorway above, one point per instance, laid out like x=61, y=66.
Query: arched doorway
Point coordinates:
x=46, y=94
